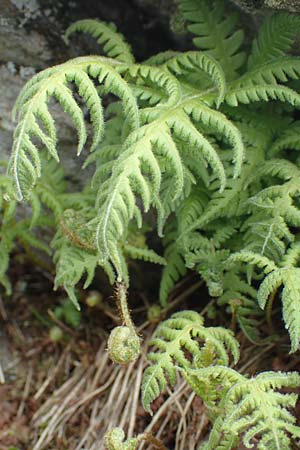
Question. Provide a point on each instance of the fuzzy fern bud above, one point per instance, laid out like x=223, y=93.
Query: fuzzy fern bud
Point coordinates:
x=114, y=440
x=123, y=345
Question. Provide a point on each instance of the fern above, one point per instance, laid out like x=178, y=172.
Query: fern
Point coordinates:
x=248, y=409
x=208, y=140
x=26, y=232
x=114, y=44
x=285, y=274
x=175, y=237
x=184, y=332
x=115, y=440
x=241, y=301
x=172, y=126
x=35, y=118
x=215, y=32
x=71, y=265
x=240, y=408
x=275, y=39
x=175, y=265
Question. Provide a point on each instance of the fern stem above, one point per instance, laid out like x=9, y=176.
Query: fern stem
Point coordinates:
x=269, y=312
x=123, y=306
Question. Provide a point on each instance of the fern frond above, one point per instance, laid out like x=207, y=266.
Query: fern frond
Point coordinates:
x=143, y=253
x=275, y=38
x=137, y=171
x=215, y=33
x=219, y=123
x=113, y=43
x=32, y=107
x=115, y=440
x=175, y=265
x=228, y=203
x=72, y=263
x=184, y=332
x=262, y=92
x=281, y=168
x=193, y=61
x=247, y=408
x=256, y=408
x=20, y=232
x=175, y=239
x=289, y=139
x=288, y=276
x=211, y=384
x=265, y=264
x=281, y=69
x=241, y=300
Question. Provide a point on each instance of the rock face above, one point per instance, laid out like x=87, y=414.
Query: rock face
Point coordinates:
x=262, y=5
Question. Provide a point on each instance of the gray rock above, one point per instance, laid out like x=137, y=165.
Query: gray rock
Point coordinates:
x=264, y=5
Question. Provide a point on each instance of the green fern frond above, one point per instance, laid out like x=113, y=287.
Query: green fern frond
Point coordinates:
x=275, y=38
x=225, y=204
x=281, y=69
x=184, y=332
x=281, y=168
x=288, y=276
x=264, y=93
x=211, y=384
x=137, y=170
x=289, y=139
x=221, y=125
x=14, y=233
x=193, y=61
x=241, y=301
x=26, y=233
x=265, y=264
x=215, y=33
x=72, y=263
x=254, y=407
x=175, y=265
x=113, y=43
x=143, y=253
x=115, y=440
x=247, y=408
x=32, y=106
x=175, y=239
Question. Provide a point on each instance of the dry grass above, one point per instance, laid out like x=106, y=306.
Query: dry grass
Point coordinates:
x=100, y=396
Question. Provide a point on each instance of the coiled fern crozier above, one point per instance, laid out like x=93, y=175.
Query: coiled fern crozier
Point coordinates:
x=208, y=139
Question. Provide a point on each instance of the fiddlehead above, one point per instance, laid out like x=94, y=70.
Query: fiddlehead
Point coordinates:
x=123, y=342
